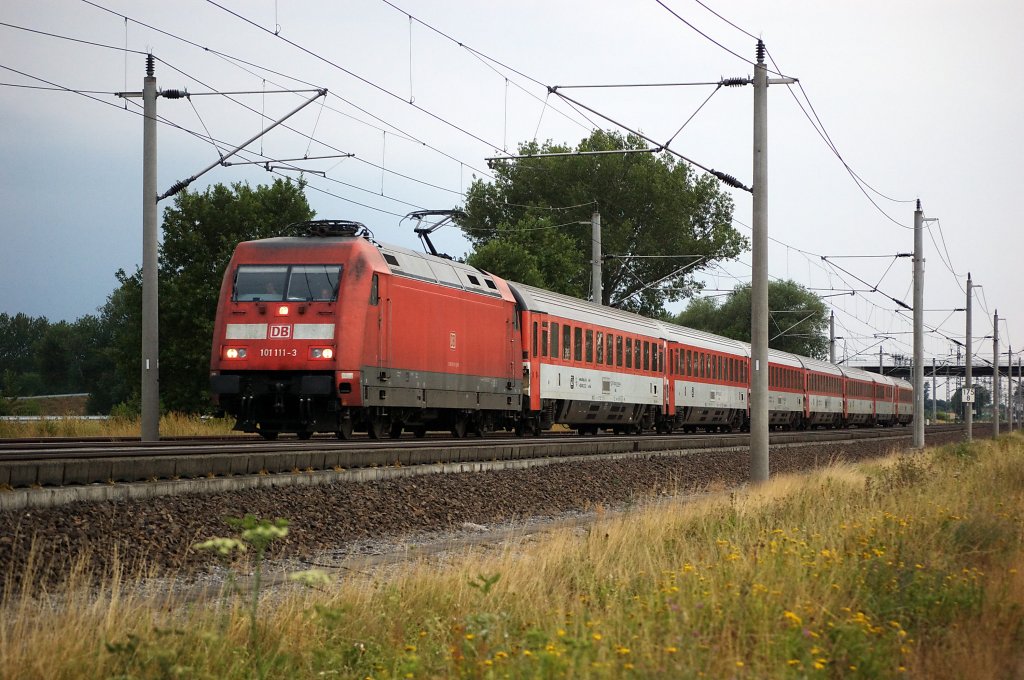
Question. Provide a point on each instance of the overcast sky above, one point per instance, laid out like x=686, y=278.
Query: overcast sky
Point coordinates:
x=917, y=96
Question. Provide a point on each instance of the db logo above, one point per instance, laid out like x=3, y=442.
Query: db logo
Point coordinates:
x=279, y=332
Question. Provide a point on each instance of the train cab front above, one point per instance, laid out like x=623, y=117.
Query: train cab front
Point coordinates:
x=276, y=350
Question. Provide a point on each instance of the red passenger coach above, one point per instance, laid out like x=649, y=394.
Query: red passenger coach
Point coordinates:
x=332, y=332
x=588, y=366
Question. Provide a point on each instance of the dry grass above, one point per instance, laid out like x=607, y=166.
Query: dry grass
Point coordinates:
x=906, y=567
x=171, y=425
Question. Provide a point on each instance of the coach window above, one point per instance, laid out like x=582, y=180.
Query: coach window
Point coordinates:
x=566, y=342
x=590, y=346
x=544, y=339
x=610, y=349
x=599, y=358
x=534, y=338
x=629, y=352
x=578, y=345
x=636, y=354
x=618, y=351
x=647, y=355
x=554, y=340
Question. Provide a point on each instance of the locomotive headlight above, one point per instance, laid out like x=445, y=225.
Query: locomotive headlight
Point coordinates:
x=328, y=353
x=234, y=353
x=282, y=310
x=321, y=353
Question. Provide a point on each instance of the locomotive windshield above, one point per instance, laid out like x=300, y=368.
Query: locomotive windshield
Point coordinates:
x=294, y=283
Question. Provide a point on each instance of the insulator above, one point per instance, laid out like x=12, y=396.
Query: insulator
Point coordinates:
x=760, y=51
x=728, y=179
x=734, y=82
x=149, y=65
x=178, y=186
x=174, y=94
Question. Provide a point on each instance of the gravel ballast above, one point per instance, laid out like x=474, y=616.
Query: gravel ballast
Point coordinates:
x=159, y=532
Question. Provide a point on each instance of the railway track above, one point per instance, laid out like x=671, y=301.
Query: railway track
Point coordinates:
x=36, y=474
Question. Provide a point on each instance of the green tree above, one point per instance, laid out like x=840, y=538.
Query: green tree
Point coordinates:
x=200, y=232
x=19, y=339
x=120, y=333
x=797, y=323
x=661, y=222
x=982, y=400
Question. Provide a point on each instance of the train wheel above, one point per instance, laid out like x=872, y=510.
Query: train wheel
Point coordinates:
x=269, y=436
x=420, y=431
x=396, y=430
x=303, y=435
x=459, y=427
x=376, y=427
x=344, y=430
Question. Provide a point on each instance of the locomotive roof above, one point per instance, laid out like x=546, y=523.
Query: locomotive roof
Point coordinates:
x=440, y=270
x=400, y=261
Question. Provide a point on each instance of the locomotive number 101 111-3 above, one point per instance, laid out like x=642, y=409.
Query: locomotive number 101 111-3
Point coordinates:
x=281, y=352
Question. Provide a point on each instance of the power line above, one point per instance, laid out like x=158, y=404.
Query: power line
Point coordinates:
x=238, y=61
x=325, y=144
x=352, y=74
x=487, y=61
x=77, y=40
x=703, y=34
x=741, y=30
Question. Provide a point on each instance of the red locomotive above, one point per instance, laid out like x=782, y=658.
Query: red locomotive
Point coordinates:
x=333, y=332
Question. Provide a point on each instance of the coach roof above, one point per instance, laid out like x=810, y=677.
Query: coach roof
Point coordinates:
x=564, y=306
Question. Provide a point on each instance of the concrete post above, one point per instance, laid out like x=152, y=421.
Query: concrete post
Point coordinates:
x=968, y=407
x=759, y=281
x=832, y=336
x=150, y=299
x=918, y=376
x=995, y=374
x=596, y=287
x=935, y=397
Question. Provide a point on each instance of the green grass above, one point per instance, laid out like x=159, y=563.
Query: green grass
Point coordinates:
x=904, y=567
